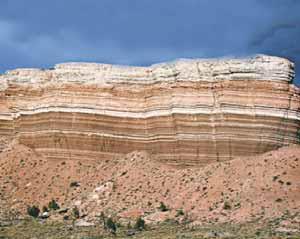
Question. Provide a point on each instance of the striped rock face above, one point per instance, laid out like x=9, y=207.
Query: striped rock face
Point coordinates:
x=189, y=112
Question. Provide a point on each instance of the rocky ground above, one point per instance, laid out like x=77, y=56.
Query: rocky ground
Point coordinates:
x=247, y=189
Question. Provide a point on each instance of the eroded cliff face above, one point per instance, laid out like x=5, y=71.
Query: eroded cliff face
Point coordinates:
x=189, y=112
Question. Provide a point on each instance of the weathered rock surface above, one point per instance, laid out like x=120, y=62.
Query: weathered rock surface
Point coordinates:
x=189, y=112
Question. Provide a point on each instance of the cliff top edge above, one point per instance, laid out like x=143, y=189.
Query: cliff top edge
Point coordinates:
x=255, y=67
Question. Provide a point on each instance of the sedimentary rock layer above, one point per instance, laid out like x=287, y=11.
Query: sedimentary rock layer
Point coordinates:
x=189, y=112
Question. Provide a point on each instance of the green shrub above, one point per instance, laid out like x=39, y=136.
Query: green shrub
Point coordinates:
x=179, y=213
x=111, y=225
x=298, y=135
x=74, y=184
x=33, y=211
x=75, y=212
x=53, y=205
x=129, y=225
x=226, y=206
x=278, y=200
x=163, y=207
x=140, y=224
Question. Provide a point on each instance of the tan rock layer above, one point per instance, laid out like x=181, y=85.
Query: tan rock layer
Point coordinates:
x=190, y=112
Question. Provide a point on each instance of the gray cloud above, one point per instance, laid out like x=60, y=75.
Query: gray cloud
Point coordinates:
x=36, y=33
x=271, y=33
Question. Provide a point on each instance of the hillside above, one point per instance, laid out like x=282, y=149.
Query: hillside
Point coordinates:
x=243, y=189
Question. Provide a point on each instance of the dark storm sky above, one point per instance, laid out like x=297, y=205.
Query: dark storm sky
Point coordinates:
x=41, y=33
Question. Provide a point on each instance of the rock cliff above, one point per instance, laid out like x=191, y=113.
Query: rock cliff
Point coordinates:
x=188, y=112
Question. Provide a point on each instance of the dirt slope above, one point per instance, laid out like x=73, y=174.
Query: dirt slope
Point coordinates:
x=243, y=189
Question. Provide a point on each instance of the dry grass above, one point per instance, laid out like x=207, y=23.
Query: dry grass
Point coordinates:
x=42, y=230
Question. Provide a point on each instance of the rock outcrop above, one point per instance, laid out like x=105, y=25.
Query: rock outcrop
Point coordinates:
x=189, y=112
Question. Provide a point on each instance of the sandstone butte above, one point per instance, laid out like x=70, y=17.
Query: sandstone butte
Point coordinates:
x=184, y=113
x=119, y=131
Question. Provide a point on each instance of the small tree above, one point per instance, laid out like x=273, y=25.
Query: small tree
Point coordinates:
x=53, y=205
x=111, y=225
x=163, y=207
x=140, y=224
x=33, y=211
